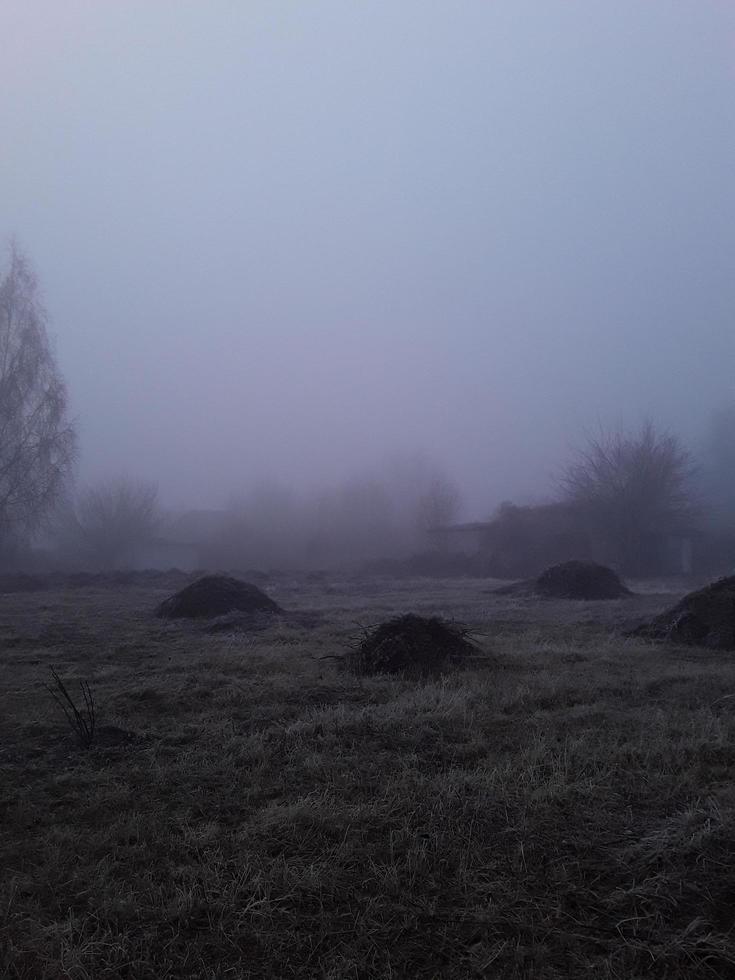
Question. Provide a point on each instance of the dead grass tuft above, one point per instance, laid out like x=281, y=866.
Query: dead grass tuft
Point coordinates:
x=81, y=717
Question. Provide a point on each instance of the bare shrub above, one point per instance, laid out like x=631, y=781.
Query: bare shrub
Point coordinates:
x=82, y=720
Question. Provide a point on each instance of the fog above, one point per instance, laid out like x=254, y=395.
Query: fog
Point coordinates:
x=288, y=242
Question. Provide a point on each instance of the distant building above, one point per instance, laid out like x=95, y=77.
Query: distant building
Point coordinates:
x=519, y=541
x=522, y=541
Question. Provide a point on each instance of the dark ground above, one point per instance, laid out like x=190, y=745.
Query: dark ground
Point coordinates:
x=564, y=809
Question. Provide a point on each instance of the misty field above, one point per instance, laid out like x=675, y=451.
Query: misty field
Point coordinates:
x=561, y=808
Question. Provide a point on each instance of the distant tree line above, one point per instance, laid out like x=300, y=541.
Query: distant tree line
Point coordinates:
x=106, y=525
x=626, y=490
x=386, y=511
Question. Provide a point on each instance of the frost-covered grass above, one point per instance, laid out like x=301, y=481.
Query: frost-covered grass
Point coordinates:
x=565, y=809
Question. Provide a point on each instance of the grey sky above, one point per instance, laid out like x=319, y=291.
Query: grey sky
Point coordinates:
x=282, y=239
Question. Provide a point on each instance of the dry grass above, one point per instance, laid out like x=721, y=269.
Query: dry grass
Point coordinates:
x=246, y=809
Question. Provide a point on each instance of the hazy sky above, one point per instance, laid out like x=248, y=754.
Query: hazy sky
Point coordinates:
x=282, y=239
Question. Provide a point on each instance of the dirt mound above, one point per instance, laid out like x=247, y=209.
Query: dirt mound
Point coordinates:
x=411, y=645
x=216, y=595
x=704, y=618
x=570, y=580
x=580, y=580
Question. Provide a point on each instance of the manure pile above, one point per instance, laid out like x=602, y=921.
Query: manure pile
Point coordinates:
x=216, y=595
x=413, y=645
x=703, y=618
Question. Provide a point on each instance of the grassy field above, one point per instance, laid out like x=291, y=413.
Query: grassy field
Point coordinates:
x=563, y=808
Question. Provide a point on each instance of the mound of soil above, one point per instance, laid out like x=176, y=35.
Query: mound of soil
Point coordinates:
x=216, y=595
x=411, y=645
x=570, y=580
x=580, y=580
x=703, y=618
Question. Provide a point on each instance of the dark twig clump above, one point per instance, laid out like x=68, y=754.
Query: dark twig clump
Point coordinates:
x=82, y=720
x=216, y=595
x=412, y=645
x=702, y=618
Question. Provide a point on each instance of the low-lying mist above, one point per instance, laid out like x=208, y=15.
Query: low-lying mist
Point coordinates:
x=388, y=511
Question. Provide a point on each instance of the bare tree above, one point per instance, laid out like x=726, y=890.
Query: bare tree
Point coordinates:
x=37, y=440
x=631, y=489
x=107, y=524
